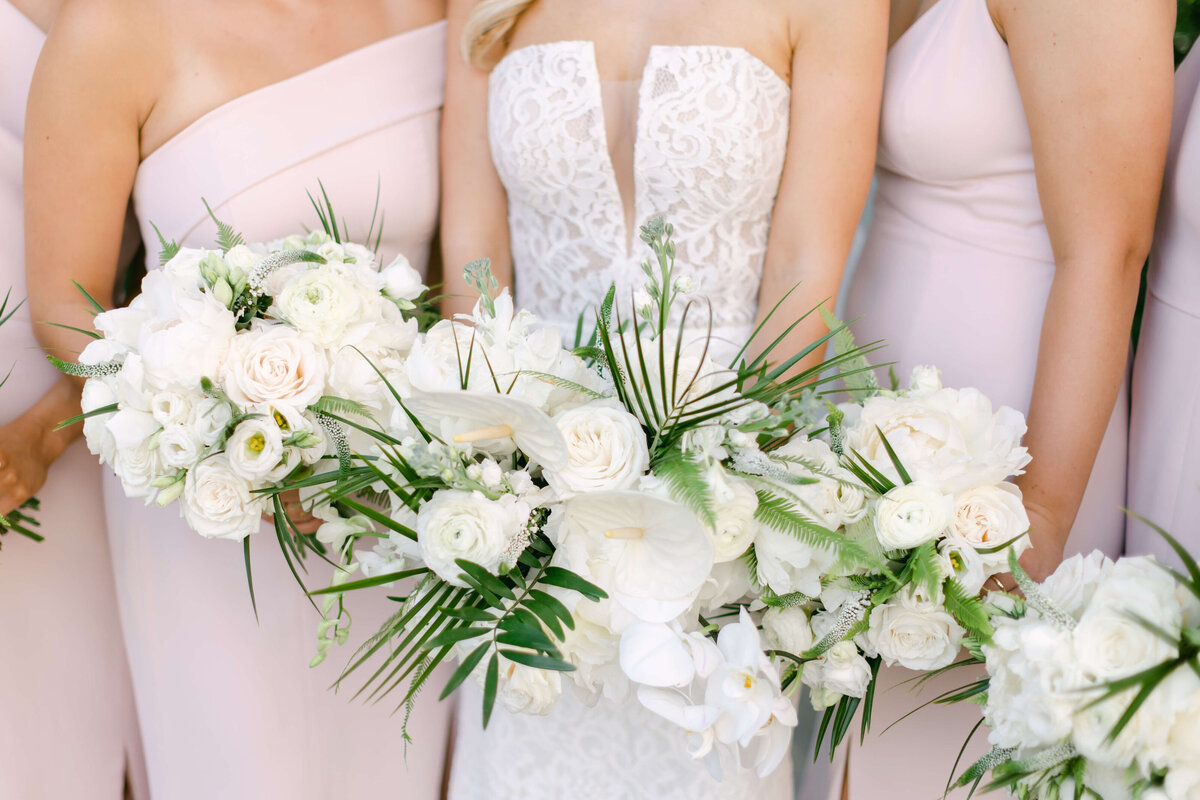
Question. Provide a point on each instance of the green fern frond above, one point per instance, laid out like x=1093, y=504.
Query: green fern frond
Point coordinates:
x=968, y=610
x=166, y=249
x=227, y=237
x=782, y=515
x=863, y=378
x=686, y=481
x=923, y=568
x=339, y=405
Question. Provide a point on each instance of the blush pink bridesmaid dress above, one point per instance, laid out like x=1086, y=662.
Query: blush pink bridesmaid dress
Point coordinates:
x=956, y=271
x=67, y=723
x=228, y=705
x=1164, y=429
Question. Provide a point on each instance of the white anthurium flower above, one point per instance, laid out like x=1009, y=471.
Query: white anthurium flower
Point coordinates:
x=745, y=686
x=651, y=554
x=663, y=655
x=485, y=420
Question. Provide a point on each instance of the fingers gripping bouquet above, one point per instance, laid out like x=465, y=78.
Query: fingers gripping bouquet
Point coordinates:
x=214, y=385
x=1092, y=687
x=630, y=518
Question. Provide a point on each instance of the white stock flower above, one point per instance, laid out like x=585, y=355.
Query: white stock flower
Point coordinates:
x=841, y=671
x=989, y=516
x=913, y=634
x=320, y=303
x=273, y=365
x=909, y=516
x=466, y=525
x=217, y=503
x=255, y=449
x=606, y=449
x=950, y=438
x=734, y=504
x=788, y=629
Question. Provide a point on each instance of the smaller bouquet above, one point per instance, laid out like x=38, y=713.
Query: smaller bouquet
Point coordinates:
x=214, y=385
x=19, y=520
x=1093, y=683
x=940, y=515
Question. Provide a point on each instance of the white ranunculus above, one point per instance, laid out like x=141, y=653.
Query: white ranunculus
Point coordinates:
x=401, y=281
x=209, y=419
x=788, y=629
x=916, y=635
x=273, y=365
x=841, y=671
x=320, y=303
x=217, y=503
x=98, y=393
x=466, y=525
x=255, y=449
x=606, y=449
x=526, y=690
x=1071, y=586
x=950, y=438
x=787, y=565
x=987, y=517
x=909, y=516
x=179, y=447
x=961, y=562
x=734, y=504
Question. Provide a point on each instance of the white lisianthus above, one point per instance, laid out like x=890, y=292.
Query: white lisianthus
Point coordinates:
x=606, y=449
x=179, y=447
x=466, y=525
x=320, y=303
x=909, y=516
x=171, y=408
x=960, y=561
x=255, y=449
x=787, y=565
x=208, y=420
x=951, y=438
x=136, y=460
x=988, y=516
x=840, y=672
x=273, y=365
x=401, y=281
x=217, y=503
x=734, y=504
x=913, y=634
x=788, y=629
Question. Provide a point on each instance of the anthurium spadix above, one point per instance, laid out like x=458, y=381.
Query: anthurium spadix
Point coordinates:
x=491, y=421
x=650, y=554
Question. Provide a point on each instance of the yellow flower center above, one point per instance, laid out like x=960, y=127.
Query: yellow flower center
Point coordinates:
x=624, y=533
x=257, y=442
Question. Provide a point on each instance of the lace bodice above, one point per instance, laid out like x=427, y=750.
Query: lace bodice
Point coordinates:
x=709, y=144
x=711, y=133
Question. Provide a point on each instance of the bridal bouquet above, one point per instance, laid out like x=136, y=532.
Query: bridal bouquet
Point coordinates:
x=629, y=518
x=1093, y=683
x=933, y=463
x=212, y=386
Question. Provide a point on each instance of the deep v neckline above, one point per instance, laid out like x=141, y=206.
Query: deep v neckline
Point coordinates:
x=628, y=220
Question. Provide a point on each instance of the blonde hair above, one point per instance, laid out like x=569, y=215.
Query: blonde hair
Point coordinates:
x=488, y=28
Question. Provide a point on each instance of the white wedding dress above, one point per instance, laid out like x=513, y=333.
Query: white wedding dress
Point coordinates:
x=706, y=151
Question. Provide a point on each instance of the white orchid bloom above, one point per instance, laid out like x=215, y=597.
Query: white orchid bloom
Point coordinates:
x=745, y=687
x=662, y=655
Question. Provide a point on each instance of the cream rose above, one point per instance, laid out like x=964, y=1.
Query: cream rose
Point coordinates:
x=909, y=516
x=787, y=629
x=920, y=636
x=273, y=364
x=987, y=517
x=526, y=690
x=606, y=449
x=1110, y=643
x=466, y=525
x=734, y=504
x=217, y=503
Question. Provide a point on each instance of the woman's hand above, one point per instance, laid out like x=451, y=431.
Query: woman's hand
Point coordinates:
x=24, y=460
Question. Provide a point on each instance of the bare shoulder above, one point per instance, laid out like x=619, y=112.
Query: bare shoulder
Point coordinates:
x=403, y=16
x=809, y=19
x=108, y=48
x=1083, y=16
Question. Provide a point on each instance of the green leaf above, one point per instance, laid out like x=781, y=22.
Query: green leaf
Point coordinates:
x=249, y=576
x=686, y=481
x=565, y=579
x=903, y=473
x=489, y=687
x=464, y=669
x=968, y=610
x=484, y=578
x=227, y=237
x=95, y=412
x=167, y=249
x=469, y=614
x=554, y=606
x=519, y=635
x=537, y=661
x=90, y=334
x=869, y=700
x=923, y=569
x=93, y=302
x=453, y=636
x=367, y=583
x=843, y=342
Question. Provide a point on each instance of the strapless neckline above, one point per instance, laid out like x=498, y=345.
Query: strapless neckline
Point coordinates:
x=344, y=62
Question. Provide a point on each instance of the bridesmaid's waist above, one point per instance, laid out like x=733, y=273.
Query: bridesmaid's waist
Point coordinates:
x=971, y=214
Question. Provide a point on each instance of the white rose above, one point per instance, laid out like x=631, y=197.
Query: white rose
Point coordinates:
x=273, y=364
x=950, y=438
x=1139, y=584
x=466, y=525
x=788, y=629
x=1071, y=586
x=961, y=562
x=919, y=636
x=734, y=504
x=989, y=516
x=255, y=449
x=217, y=503
x=321, y=303
x=908, y=516
x=606, y=449
x=1144, y=733
x=842, y=671
x=401, y=281
x=209, y=419
x=526, y=690
x=179, y=447
x=787, y=565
